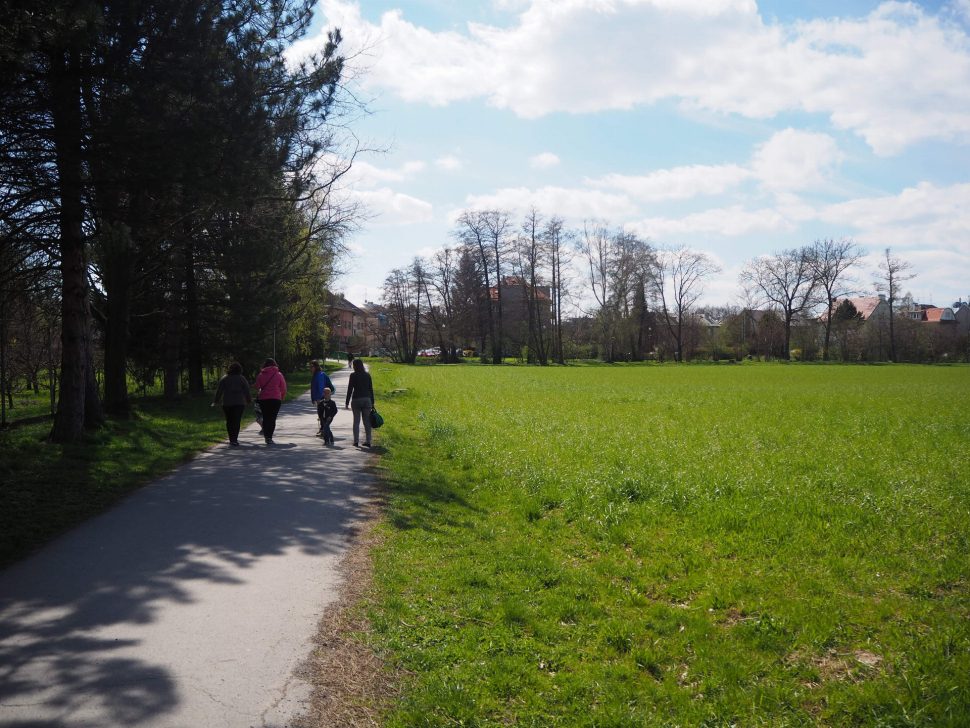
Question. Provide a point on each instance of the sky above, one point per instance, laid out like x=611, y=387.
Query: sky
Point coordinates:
x=736, y=127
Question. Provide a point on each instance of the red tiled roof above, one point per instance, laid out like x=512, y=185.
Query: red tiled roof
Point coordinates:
x=934, y=314
x=865, y=306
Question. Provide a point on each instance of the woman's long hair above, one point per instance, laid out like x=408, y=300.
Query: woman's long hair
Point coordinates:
x=359, y=366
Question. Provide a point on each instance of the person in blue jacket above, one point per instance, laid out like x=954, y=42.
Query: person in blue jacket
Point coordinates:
x=318, y=382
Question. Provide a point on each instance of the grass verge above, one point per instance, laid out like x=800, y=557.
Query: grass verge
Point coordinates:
x=703, y=546
x=46, y=488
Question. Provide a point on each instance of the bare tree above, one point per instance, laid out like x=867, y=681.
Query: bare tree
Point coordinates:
x=893, y=272
x=557, y=240
x=441, y=274
x=784, y=281
x=487, y=232
x=498, y=225
x=678, y=281
x=830, y=260
x=403, y=289
x=531, y=260
x=618, y=265
x=596, y=246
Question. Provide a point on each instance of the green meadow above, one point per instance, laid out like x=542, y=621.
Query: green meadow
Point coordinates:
x=744, y=545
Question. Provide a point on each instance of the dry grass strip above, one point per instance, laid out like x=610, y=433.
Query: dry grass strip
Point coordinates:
x=351, y=686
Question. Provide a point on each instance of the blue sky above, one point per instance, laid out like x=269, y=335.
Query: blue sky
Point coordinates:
x=735, y=127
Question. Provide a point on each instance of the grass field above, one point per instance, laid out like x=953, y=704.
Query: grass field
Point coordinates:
x=47, y=488
x=748, y=545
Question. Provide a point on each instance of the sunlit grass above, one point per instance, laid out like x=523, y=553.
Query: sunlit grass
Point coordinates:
x=722, y=545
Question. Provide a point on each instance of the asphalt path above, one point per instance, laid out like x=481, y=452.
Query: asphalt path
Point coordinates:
x=193, y=602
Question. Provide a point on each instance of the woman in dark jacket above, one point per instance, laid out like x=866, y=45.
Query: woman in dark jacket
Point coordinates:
x=360, y=397
x=233, y=390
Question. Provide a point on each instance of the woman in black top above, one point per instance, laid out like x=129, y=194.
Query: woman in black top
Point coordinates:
x=360, y=398
x=233, y=390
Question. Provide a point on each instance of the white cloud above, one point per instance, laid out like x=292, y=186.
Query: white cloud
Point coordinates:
x=796, y=160
x=923, y=216
x=544, y=160
x=790, y=160
x=358, y=293
x=363, y=174
x=394, y=208
x=895, y=77
x=679, y=183
x=449, y=162
x=729, y=221
x=573, y=204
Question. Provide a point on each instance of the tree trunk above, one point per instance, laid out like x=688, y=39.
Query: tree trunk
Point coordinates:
x=499, y=341
x=892, y=335
x=66, y=107
x=117, y=288
x=173, y=328
x=828, y=331
x=3, y=367
x=93, y=412
x=193, y=331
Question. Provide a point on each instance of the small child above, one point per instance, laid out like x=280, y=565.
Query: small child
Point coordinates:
x=326, y=411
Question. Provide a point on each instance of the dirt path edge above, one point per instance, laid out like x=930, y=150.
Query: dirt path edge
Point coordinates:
x=351, y=686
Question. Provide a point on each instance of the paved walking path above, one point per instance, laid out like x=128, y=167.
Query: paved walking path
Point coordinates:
x=191, y=603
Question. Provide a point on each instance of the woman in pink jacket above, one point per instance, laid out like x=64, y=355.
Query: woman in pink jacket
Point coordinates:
x=270, y=390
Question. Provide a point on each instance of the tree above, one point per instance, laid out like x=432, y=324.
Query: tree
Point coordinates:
x=472, y=232
x=440, y=273
x=531, y=262
x=132, y=130
x=403, y=289
x=497, y=225
x=845, y=323
x=784, y=281
x=471, y=306
x=893, y=272
x=678, y=281
x=829, y=261
x=557, y=240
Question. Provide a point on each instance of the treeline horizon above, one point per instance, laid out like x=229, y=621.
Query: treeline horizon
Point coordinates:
x=635, y=300
x=167, y=197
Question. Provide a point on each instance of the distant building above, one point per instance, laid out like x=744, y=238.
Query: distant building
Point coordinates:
x=940, y=316
x=961, y=312
x=871, y=307
x=515, y=311
x=514, y=299
x=346, y=322
x=375, y=321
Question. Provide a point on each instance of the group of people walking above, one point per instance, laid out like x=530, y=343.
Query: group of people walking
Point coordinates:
x=234, y=392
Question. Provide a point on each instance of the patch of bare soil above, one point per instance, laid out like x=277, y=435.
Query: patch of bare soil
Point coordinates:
x=832, y=665
x=351, y=685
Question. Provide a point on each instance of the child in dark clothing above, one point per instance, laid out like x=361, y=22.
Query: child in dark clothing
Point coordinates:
x=326, y=411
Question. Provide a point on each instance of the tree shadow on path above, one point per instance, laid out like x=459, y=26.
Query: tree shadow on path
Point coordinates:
x=70, y=615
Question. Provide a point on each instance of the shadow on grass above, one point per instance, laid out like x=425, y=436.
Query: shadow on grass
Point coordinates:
x=68, y=648
x=422, y=495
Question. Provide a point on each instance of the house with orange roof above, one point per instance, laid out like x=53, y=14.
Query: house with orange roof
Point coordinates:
x=870, y=307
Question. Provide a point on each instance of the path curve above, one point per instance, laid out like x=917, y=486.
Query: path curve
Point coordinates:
x=193, y=601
